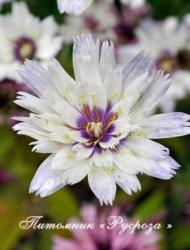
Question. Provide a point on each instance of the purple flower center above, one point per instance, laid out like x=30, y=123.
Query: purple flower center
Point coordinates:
x=91, y=23
x=167, y=62
x=96, y=125
x=24, y=48
x=125, y=33
x=104, y=246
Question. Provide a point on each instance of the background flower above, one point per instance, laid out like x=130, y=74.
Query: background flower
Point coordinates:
x=99, y=19
x=128, y=19
x=24, y=36
x=73, y=6
x=170, y=53
x=4, y=1
x=108, y=239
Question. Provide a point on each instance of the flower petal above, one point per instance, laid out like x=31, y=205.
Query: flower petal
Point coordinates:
x=46, y=180
x=60, y=243
x=157, y=88
x=66, y=111
x=146, y=148
x=105, y=158
x=45, y=146
x=82, y=152
x=164, y=169
x=137, y=66
x=76, y=174
x=32, y=103
x=102, y=185
x=167, y=125
x=31, y=73
x=129, y=183
x=126, y=161
x=64, y=159
x=86, y=56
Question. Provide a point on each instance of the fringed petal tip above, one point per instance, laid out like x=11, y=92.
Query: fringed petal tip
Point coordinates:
x=46, y=189
x=46, y=180
x=165, y=170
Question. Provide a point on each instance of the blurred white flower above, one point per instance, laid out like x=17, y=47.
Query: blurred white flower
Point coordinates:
x=133, y=4
x=99, y=124
x=99, y=19
x=73, y=6
x=4, y=1
x=77, y=7
x=24, y=36
x=168, y=43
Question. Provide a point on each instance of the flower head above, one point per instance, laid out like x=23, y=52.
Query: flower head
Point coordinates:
x=129, y=18
x=77, y=7
x=105, y=239
x=24, y=36
x=171, y=54
x=73, y=6
x=98, y=19
x=98, y=124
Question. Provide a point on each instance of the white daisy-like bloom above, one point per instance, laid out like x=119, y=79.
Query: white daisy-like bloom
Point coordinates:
x=98, y=124
x=24, y=36
x=99, y=19
x=75, y=7
x=168, y=43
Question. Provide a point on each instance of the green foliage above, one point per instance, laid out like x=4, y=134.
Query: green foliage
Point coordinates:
x=63, y=205
x=150, y=206
x=164, y=8
x=6, y=141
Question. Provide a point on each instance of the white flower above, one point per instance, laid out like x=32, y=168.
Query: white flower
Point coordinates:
x=166, y=41
x=77, y=7
x=4, y=1
x=98, y=125
x=73, y=6
x=133, y=4
x=25, y=36
x=99, y=19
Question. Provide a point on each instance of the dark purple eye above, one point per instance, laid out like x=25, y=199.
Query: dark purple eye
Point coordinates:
x=24, y=48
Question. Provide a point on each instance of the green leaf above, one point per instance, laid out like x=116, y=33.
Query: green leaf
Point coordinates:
x=180, y=237
x=62, y=205
x=151, y=205
x=7, y=139
x=9, y=230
